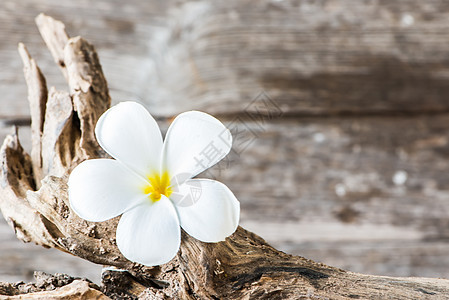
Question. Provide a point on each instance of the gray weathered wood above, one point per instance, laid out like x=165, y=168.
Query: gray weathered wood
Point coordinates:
x=299, y=211
x=395, y=48
x=120, y=29
x=315, y=58
x=347, y=190
x=243, y=266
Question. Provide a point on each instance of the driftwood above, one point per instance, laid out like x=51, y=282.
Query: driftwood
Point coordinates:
x=34, y=201
x=59, y=286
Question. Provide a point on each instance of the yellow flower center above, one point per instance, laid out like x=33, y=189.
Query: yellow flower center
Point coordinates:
x=159, y=184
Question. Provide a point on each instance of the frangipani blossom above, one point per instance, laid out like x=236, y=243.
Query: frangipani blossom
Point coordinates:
x=150, y=182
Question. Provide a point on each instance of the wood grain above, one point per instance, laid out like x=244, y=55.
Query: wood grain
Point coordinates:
x=120, y=30
x=314, y=58
x=242, y=266
x=335, y=188
x=302, y=212
x=373, y=76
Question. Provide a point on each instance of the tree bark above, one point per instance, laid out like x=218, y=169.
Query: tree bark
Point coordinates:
x=244, y=266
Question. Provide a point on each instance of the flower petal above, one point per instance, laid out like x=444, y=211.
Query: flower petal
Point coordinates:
x=149, y=234
x=130, y=134
x=215, y=213
x=195, y=141
x=100, y=189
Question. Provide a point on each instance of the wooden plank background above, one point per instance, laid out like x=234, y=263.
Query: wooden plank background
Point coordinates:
x=343, y=159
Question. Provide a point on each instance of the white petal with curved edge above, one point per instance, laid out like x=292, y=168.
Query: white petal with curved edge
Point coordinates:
x=100, y=189
x=215, y=213
x=194, y=142
x=149, y=234
x=130, y=134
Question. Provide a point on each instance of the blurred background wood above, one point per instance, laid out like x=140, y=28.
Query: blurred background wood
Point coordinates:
x=351, y=171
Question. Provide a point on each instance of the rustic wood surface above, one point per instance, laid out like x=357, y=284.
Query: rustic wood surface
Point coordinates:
x=320, y=57
x=367, y=192
x=243, y=266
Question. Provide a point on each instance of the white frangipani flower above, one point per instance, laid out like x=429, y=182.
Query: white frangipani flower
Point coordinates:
x=150, y=182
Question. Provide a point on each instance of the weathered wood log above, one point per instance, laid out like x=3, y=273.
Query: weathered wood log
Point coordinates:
x=242, y=267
